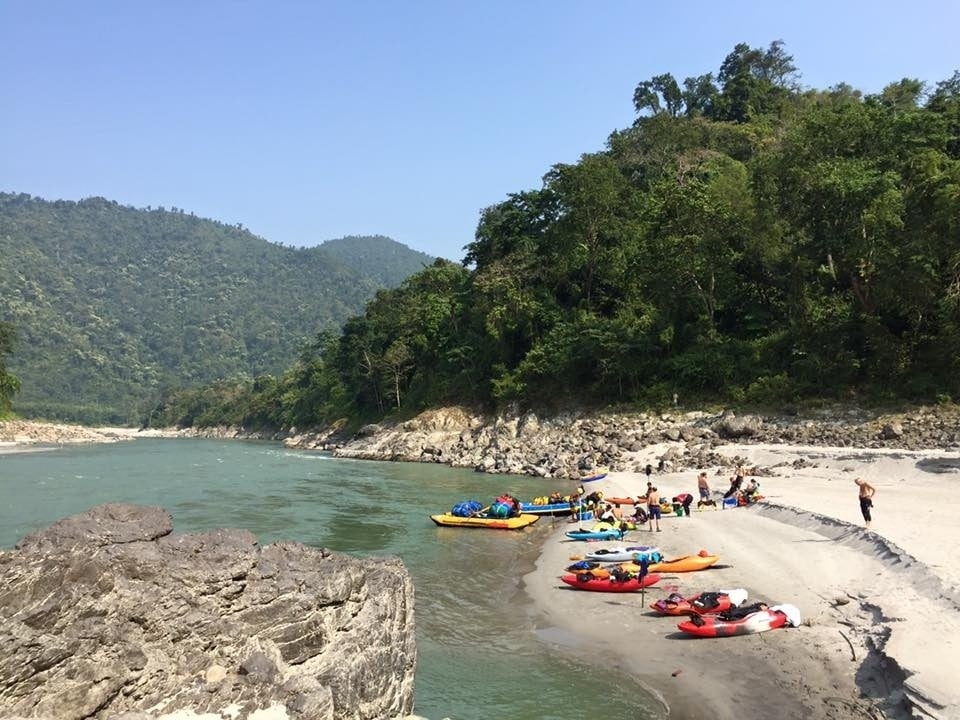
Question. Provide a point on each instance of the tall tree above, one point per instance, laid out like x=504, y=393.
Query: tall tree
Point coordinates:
x=660, y=94
x=9, y=384
x=754, y=82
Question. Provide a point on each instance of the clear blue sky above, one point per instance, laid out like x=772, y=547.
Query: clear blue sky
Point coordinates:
x=306, y=121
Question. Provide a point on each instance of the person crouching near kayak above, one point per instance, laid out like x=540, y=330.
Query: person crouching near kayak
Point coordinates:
x=653, y=507
x=639, y=511
x=685, y=500
x=607, y=514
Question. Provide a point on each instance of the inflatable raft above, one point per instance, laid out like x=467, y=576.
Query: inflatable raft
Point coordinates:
x=481, y=521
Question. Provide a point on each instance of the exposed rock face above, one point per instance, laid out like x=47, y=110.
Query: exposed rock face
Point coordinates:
x=107, y=614
x=561, y=446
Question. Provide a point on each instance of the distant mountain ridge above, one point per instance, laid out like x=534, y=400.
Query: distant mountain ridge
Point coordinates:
x=112, y=303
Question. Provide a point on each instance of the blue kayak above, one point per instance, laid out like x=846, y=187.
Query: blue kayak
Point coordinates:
x=555, y=509
x=560, y=508
x=591, y=476
x=595, y=534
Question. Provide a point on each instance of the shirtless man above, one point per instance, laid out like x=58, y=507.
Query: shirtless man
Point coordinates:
x=866, y=498
x=653, y=506
x=703, y=486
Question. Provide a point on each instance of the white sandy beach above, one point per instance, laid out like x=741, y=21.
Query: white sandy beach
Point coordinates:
x=891, y=643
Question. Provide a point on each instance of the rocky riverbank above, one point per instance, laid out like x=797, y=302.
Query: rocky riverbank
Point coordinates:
x=562, y=446
x=15, y=433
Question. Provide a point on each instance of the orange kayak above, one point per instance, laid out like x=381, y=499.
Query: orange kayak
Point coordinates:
x=687, y=563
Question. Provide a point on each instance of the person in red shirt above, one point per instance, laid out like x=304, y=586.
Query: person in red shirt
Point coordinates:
x=686, y=500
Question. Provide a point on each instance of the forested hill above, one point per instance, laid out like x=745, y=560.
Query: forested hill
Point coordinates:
x=385, y=261
x=746, y=239
x=110, y=304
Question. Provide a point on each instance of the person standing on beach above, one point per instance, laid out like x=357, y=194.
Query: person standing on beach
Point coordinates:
x=703, y=486
x=653, y=506
x=866, y=499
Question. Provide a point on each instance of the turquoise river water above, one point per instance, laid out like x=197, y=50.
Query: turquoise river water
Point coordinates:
x=479, y=652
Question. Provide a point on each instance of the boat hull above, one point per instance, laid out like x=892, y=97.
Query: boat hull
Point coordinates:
x=708, y=603
x=598, y=474
x=555, y=509
x=757, y=622
x=688, y=563
x=595, y=534
x=594, y=584
x=623, y=554
x=511, y=523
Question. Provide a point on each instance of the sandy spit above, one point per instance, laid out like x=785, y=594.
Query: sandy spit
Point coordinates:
x=881, y=631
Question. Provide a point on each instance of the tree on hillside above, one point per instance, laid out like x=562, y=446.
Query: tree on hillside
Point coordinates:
x=9, y=384
x=754, y=82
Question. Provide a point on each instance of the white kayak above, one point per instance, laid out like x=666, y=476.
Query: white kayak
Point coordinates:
x=633, y=553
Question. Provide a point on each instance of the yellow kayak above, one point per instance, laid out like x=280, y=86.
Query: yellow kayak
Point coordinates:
x=687, y=563
x=479, y=521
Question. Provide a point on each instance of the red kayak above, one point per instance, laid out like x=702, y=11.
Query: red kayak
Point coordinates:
x=757, y=622
x=705, y=603
x=609, y=584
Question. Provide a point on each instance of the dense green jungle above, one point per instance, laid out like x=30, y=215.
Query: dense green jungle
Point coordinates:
x=746, y=240
x=105, y=307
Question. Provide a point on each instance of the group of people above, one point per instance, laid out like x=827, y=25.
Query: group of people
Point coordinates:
x=646, y=508
x=744, y=494
x=750, y=492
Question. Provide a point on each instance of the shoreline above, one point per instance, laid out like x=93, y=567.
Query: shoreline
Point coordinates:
x=869, y=599
x=881, y=631
x=18, y=436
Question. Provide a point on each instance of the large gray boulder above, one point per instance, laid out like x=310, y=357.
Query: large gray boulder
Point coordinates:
x=731, y=427
x=109, y=614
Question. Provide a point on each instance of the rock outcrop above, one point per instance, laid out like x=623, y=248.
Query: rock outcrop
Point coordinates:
x=31, y=432
x=108, y=614
x=561, y=446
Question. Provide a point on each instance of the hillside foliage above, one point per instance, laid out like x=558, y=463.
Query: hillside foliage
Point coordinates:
x=745, y=239
x=113, y=305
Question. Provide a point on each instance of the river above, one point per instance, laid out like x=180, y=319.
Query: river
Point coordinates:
x=480, y=654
